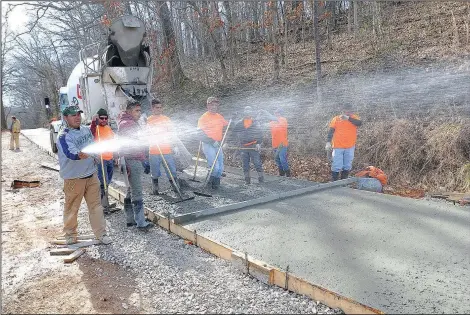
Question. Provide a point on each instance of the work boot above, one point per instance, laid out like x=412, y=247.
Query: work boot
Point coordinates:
x=344, y=174
x=281, y=172
x=154, y=186
x=260, y=177
x=128, y=209
x=288, y=173
x=215, y=183
x=71, y=239
x=334, y=176
x=247, y=180
x=173, y=186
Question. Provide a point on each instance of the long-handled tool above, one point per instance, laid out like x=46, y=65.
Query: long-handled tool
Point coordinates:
x=172, y=178
x=213, y=163
x=197, y=161
x=104, y=200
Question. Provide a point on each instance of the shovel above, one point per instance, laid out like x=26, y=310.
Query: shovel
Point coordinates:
x=197, y=161
x=104, y=200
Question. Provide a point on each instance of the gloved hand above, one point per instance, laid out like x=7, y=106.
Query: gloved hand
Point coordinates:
x=344, y=117
x=258, y=147
x=216, y=144
x=328, y=146
x=146, y=166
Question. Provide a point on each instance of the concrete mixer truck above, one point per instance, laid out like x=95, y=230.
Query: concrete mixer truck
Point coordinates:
x=108, y=75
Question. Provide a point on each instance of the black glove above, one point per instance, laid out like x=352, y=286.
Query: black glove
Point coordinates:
x=146, y=166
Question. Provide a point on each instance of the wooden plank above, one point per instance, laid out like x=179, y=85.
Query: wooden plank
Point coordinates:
x=214, y=247
x=62, y=251
x=72, y=257
x=240, y=205
x=183, y=232
x=81, y=244
x=79, y=237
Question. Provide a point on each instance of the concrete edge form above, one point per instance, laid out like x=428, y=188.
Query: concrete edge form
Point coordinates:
x=256, y=268
x=248, y=203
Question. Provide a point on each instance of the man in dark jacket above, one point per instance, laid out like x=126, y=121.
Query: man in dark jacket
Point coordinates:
x=250, y=135
x=133, y=152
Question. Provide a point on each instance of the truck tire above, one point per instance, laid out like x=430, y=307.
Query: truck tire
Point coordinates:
x=53, y=144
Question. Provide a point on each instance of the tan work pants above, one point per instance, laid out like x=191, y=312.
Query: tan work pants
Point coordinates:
x=15, y=140
x=75, y=190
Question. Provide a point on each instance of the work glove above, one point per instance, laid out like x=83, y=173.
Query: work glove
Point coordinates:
x=258, y=147
x=146, y=166
x=328, y=146
x=216, y=144
x=344, y=117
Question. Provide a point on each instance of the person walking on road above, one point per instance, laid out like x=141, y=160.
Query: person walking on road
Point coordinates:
x=15, y=129
x=251, y=136
x=78, y=170
x=278, y=126
x=134, y=154
x=102, y=132
x=162, y=131
x=341, y=138
x=211, y=126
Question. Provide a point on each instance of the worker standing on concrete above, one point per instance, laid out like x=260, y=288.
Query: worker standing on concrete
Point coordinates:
x=161, y=127
x=341, y=138
x=278, y=126
x=251, y=136
x=15, y=129
x=134, y=154
x=80, y=180
x=102, y=132
x=211, y=126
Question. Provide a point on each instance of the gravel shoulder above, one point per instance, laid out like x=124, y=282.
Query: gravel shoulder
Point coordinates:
x=153, y=272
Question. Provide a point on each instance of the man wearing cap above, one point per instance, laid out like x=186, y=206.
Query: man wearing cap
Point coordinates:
x=134, y=153
x=102, y=132
x=211, y=125
x=341, y=138
x=278, y=126
x=78, y=170
x=250, y=135
x=15, y=129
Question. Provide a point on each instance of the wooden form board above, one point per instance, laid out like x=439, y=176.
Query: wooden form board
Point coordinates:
x=72, y=257
x=257, y=268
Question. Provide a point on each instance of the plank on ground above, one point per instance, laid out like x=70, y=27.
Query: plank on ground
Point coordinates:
x=72, y=257
x=62, y=251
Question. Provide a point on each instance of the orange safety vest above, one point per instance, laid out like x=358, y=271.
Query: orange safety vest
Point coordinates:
x=161, y=127
x=345, y=134
x=213, y=125
x=105, y=133
x=373, y=172
x=279, y=132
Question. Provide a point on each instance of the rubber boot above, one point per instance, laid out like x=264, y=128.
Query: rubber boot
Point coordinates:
x=260, y=177
x=213, y=182
x=247, y=180
x=288, y=173
x=129, y=212
x=334, y=176
x=154, y=186
x=344, y=174
x=216, y=183
x=281, y=172
x=139, y=215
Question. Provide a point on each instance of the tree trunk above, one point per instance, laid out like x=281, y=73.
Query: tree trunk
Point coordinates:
x=356, y=21
x=317, y=43
x=4, y=118
x=350, y=16
x=275, y=27
x=177, y=73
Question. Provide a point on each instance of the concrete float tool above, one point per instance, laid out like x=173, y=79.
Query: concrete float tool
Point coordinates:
x=175, y=184
x=202, y=193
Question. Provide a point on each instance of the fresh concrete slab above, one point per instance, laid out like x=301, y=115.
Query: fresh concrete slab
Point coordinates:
x=396, y=254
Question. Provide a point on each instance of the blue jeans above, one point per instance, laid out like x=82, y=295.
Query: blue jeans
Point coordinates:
x=108, y=172
x=280, y=156
x=253, y=155
x=156, y=161
x=342, y=159
x=210, y=152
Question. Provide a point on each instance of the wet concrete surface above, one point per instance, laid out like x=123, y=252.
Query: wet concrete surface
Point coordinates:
x=396, y=254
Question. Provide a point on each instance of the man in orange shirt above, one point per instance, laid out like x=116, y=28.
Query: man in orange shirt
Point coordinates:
x=211, y=126
x=161, y=128
x=278, y=126
x=342, y=138
x=102, y=132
